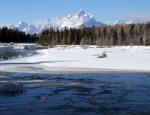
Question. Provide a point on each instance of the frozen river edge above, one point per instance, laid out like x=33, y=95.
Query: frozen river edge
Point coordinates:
x=40, y=69
x=78, y=60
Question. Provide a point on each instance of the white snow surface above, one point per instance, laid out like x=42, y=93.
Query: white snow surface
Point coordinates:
x=81, y=59
x=125, y=57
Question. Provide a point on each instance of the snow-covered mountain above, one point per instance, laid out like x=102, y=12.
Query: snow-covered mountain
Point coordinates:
x=133, y=20
x=70, y=21
x=22, y=26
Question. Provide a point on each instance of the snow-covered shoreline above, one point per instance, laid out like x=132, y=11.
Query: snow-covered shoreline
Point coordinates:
x=77, y=59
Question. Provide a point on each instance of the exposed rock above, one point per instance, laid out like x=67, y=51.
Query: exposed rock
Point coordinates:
x=102, y=55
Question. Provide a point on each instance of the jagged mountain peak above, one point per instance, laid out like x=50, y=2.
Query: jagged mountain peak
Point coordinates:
x=21, y=23
x=80, y=13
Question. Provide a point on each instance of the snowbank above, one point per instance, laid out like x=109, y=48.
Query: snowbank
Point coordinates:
x=76, y=58
x=126, y=57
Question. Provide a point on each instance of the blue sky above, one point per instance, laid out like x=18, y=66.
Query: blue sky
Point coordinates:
x=12, y=11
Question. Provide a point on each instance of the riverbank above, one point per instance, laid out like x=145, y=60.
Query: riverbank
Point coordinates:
x=77, y=59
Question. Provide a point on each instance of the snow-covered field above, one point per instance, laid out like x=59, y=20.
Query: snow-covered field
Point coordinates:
x=76, y=58
x=130, y=58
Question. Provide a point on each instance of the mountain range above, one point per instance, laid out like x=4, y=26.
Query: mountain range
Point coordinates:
x=71, y=21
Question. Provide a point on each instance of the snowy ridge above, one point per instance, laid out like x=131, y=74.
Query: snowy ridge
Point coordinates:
x=133, y=20
x=70, y=21
x=22, y=26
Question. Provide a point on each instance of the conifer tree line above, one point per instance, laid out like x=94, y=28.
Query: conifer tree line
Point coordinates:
x=11, y=35
x=125, y=34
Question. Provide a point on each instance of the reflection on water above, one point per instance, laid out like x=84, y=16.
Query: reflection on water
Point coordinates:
x=11, y=89
x=10, y=53
x=5, y=55
x=84, y=94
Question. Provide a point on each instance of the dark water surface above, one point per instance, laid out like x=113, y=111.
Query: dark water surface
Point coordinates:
x=10, y=53
x=81, y=94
